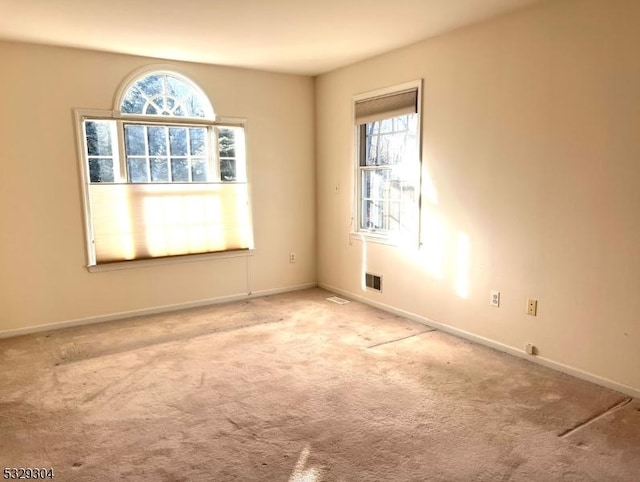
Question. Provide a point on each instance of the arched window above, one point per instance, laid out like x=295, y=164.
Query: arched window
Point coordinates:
x=162, y=175
x=168, y=94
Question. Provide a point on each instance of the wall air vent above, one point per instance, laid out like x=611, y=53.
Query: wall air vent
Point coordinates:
x=373, y=281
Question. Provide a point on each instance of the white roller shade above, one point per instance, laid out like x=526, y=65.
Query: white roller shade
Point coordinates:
x=141, y=221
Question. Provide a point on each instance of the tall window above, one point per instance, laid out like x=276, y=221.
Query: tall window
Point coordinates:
x=162, y=177
x=388, y=163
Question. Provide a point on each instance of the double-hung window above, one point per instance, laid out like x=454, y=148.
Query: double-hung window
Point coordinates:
x=388, y=163
x=162, y=176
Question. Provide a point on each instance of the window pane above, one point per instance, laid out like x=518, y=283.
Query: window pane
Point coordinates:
x=98, y=138
x=194, y=106
x=101, y=170
x=372, y=215
x=159, y=170
x=384, y=152
x=395, y=190
x=178, y=141
x=169, y=104
x=133, y=102
x=364, y=216
x=395, y=144
x=199, y=170
x=387, y=200
x=226, y=143
x=401, y=123
x=157, y=141
x=197, y=136
x=386, y=125
x=376, y=183
x=178, y=88
x=179, y=170
x=373, y=128
x=371, y=150
x=134, y=140
x=393, y=215
x=138, y=170
x=227, y=169
x=188, y=102
x=366, y=184
x=151, y=85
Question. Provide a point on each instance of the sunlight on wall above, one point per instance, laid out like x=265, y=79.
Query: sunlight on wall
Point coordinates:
x=245, y=228
x=434, y=244
x=441, y=251
x=429, y=189
x=364, y=264
x=300, y=474
x=444, y=253
x=462, y=265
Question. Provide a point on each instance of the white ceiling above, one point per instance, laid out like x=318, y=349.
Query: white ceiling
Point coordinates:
x=295, y=36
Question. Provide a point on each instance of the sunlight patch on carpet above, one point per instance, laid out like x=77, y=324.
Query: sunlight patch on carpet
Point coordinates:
x=300, y=474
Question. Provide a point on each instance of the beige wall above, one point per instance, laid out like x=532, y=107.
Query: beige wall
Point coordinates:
x=42, y=255
x=531, y=133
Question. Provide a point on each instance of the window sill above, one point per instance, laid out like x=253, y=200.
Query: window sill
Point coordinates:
x=394, y=241
x=189, y=258
x=371, y=237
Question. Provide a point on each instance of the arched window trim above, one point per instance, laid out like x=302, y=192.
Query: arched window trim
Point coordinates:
x=150, y=200
x=161, y=69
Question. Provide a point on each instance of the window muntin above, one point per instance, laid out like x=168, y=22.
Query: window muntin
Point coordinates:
x=388, y=164
x=163, y=177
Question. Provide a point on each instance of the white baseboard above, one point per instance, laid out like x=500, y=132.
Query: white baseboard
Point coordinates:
x=569, y=370
x=151, y=311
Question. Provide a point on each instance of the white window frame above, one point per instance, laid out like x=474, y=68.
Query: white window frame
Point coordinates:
x=211, y=122
x=120, y=169
x=383, y=236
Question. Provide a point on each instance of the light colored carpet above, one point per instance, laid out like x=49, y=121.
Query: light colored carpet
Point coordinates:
x=295, y=388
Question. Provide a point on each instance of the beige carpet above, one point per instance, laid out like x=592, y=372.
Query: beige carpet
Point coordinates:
x=295, y=388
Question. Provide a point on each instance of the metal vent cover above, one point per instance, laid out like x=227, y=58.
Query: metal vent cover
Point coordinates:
x=373, y=281
x=338, y=300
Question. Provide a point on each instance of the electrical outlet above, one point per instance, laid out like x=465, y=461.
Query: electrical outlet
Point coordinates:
x=532, y=307
x=292, y=257
x=494, y=299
